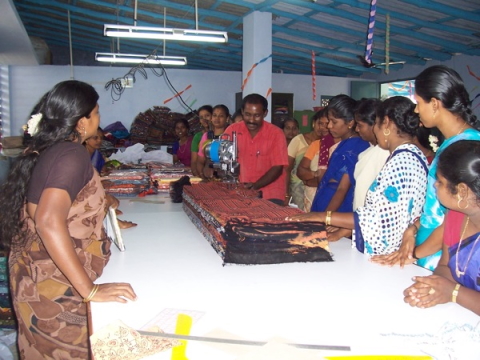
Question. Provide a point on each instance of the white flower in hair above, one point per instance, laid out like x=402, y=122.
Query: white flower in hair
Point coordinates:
x=32, y=124
x=433, y=140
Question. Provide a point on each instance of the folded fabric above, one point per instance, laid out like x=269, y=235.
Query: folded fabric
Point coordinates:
x=118, y=341
x=245, y=229
x=267, y=243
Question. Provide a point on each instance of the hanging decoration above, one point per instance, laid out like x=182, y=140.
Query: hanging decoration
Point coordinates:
x=314, y=79
x=269, y=91
x=249, y=73
x=371, y=27
x=470, y=71
x=177, y=94
x=387, y=44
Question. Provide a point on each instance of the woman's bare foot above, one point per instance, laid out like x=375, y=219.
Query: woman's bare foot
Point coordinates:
x=122, y=224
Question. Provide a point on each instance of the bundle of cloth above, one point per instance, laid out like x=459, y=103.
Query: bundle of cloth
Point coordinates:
x=245, y=229
x=126, y=182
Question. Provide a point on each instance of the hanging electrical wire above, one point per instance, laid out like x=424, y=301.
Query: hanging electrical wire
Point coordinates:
x=116, y=86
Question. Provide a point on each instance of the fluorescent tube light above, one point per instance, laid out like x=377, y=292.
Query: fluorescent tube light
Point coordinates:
x=136, y=59
x=146, y=32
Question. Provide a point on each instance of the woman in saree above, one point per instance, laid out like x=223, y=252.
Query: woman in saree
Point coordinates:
x=457, y=275
x=442, y=102
x=397, y=194
x=296, y=150
x=310, y=169
x=335, y=191
x=53, y=206
x=205, y=117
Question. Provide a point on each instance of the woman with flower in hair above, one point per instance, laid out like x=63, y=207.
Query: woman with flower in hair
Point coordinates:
x=397, y=194
x=51, y=218
x=442, y=102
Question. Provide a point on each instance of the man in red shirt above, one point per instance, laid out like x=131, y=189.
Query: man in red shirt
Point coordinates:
x=262, y=150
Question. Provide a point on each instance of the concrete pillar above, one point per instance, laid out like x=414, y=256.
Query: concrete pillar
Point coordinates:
x=257, y=49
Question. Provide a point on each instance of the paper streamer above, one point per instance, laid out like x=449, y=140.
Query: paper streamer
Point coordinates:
x=371, y=27
x=178, y=94
x=387, y=45
x=472, y=73
x=314, y=79
x=269, y=91
x=249, y=73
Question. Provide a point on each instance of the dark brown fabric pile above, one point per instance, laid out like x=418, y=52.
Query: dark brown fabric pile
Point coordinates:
x=245, y=229
x=156, y=126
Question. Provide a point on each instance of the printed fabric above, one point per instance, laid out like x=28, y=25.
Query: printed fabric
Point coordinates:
x=52, y=318
x=342, y=161
x=394, y=200
x=433, y=212
x=326, y=143
x=245, y=229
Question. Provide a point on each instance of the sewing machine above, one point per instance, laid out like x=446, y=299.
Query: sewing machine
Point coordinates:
x=223, y=154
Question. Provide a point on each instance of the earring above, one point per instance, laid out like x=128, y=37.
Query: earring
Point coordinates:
x=84, y=132
x=459, y=201
x=385, y=132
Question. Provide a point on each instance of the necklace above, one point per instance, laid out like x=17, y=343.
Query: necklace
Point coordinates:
x=457, y=268
x=461, y=129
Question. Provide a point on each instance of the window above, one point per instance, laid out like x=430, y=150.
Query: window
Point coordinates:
x=398, y=88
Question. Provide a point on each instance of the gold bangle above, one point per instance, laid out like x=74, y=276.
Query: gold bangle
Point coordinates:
x=328, y=218
x=92, y=293
x=455, y=293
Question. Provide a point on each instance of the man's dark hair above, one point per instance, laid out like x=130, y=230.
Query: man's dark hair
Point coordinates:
x=255, y=99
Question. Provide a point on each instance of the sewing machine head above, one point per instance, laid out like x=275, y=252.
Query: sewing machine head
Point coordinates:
x=223, y=154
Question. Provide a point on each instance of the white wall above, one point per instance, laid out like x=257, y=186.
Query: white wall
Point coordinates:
x=301, y=87
x=29, y=83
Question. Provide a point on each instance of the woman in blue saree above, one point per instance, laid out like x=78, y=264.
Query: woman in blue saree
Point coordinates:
x=335, y=191
x=442, y=102
x=457, y=276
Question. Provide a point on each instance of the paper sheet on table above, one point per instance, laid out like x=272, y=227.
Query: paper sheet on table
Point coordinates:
x=112, y=229
x=135, y=154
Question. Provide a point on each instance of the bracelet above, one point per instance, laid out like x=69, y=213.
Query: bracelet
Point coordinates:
x=328, y=218
x=455, y=293
x=92, y=293
x=414, y=254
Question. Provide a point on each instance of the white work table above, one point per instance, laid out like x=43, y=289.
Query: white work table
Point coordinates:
x=349, y=301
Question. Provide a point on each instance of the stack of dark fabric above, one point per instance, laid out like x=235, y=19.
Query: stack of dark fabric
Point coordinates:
x=245, y=229
x=139, y=131
x=156, y=126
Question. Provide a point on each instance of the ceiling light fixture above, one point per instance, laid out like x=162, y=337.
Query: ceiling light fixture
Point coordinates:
x=147, y=32
x=136, y=59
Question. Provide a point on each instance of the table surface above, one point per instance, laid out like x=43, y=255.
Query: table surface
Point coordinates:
x=349, y=301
